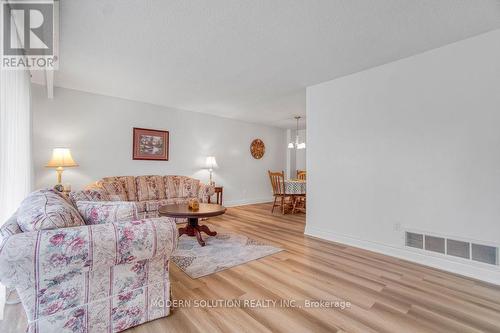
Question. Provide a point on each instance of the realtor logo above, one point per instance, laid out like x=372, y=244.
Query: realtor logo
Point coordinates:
x=27, y=35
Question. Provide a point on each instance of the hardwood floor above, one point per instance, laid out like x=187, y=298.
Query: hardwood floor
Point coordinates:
x=387, y=294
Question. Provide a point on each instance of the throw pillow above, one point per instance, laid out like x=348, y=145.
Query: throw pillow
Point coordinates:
x=45, y=209
x=100, y=212
x=88, y=195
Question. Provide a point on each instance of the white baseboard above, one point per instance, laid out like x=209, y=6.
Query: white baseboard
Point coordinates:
x=474, y=271
x=234, y=203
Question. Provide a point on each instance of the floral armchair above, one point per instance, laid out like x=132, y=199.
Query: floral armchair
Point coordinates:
x=86, y=278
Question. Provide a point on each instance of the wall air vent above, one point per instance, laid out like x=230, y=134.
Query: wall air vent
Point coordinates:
x=415, y=240
x=434, y=244
x=458, y=248
x=486, y=254
x=451, y=247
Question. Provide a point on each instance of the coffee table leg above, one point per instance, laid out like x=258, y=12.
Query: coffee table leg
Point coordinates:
x=193, y=222
x=198, y=237
x=183, y=231
x=206, y=230
x=195, y=230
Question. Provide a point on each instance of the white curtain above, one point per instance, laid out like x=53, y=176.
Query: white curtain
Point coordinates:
x=15, y=146
x=15, y=140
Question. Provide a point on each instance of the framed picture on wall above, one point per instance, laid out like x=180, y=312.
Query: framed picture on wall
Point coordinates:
x=150, y=144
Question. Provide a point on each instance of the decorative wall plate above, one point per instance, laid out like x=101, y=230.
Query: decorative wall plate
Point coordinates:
x=257, y=149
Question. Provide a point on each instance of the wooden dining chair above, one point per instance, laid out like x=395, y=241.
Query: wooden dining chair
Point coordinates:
x=278, y=184
x=300, y=200
x=299, y=203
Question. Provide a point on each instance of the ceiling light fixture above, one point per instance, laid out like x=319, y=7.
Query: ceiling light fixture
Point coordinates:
x=297, y=144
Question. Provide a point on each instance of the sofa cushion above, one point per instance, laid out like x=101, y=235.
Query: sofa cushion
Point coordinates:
x=181, y=187
x=128, y=183
x=189, y=188
x=115, y=190
x=88, y=195
x=172, y=186
x=148, y=215
x=100, y=212
x=141, y=206
x=150, y=188
x=154, y=205
x=45, y=209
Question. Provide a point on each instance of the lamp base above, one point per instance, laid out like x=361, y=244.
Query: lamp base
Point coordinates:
x=211, y=182
x=59, y=188
x=59, y=171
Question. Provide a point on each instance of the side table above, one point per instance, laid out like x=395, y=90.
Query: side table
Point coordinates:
x=218, y=195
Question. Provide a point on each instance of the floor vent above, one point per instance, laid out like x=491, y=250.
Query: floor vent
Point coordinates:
x=452, y=247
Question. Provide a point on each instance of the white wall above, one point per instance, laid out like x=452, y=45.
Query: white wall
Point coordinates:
x=412, y=144
x=98, y=130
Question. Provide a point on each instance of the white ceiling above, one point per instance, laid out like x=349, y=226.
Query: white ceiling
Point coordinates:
x=251, y=59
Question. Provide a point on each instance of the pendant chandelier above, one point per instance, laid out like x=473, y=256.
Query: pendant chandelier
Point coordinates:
x=297, y=144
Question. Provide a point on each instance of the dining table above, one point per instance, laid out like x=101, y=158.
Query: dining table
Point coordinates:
x=296, y=189
x=295, y=186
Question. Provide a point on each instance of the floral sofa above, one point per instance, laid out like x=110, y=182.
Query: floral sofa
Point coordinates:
x=147, y=192
x=88, y=266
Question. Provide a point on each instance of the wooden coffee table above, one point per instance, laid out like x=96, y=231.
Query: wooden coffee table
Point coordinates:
x=193, y=229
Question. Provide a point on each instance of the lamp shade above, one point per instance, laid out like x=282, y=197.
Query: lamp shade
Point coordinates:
x=61, y=157
x=210, y=162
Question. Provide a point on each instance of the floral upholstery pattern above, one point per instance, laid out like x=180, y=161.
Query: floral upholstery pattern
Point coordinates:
x=150, y=188
x=9, y=228
x=153, y=191
x=128, y=183
x=103, y=277
x=94, y=278
x=141, y=206
x=94, y=194
x=205, y=192
x=172, y=186
x=154, y=205
x=115, y=190
x=181, y=187
x=107, y=211
x=149, y=215
x=189, y=188
x=46, y=209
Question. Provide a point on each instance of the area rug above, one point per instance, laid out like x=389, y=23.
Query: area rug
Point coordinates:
x=225, y=250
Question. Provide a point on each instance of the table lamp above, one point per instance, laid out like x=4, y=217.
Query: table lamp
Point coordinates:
x=61, y=158
x=211, y=164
